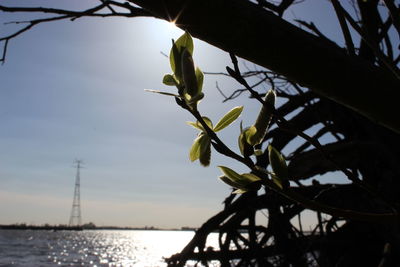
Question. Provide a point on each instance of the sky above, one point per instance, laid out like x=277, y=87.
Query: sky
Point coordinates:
x=75, y=90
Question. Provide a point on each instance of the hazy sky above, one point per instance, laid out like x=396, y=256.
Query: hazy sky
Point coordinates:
x=75, y=90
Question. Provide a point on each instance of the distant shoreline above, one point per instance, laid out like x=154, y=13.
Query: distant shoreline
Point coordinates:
x=84, y=227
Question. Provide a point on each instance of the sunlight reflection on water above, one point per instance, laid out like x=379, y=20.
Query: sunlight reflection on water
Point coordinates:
x=91, y=248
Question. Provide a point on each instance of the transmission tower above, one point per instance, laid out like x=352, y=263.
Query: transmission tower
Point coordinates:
x=75, y=219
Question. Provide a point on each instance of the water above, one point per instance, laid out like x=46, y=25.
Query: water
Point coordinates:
x=91, y=247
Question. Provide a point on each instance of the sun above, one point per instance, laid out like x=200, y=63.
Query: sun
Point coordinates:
x=172, y=26
x=171, y=29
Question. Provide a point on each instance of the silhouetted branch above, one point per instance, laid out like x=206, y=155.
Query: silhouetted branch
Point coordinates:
x=63, y=14
x=378, y=53
x=344, y=27
x=288, y=126
x=394, y=14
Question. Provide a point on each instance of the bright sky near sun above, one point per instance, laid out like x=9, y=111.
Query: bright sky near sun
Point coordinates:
x=75, y=90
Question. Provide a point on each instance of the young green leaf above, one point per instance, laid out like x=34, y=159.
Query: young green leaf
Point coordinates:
x=205, y=142
x=205, y=150
x=263, y=119
x=195, y=125
x=199, y=126
x=207, y=121
x=245, y=148
x=250, y=134
x=194, y=152
x=199, y=78
x=169, y=80
x=185, y=41
x=250, y=178
x=201, y=149
x=234, y=176
x=229, y=182
x=240, y=191
x=228, y=118
x=278, y=164
x=188, y=73
x=242, y=182
x=175, y=60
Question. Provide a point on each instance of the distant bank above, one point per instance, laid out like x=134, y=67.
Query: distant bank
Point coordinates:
x=89, y=226
x=41, y=227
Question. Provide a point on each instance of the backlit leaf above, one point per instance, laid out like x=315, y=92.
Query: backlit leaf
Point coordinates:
x=194, y=153
x=185, y=41
x=195, y=125
x=188, y=73
x=208, y=122
x=234, y=176
x=264, y=118
x=251, y=177
x=201, y=149
x=175, y=60
x=240, y=191
x=245, y=148
x=205, y=150
x=199, y=126
x=228, y=118
x=250, y=134
x=199, y=78
x=169, y=80
x=278, y=163
x=229, y=182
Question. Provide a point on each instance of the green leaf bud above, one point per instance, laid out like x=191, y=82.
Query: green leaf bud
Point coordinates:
x=264, y=118
x=245, y=148
x=185, y=41
x=170, y=80
x=199, y=79
x=175, y=61
x=205, y=150
x=188, y=74
x=201, y=149
x=279, y=167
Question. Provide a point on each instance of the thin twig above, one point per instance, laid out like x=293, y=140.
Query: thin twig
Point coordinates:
x=64, y=14
x=3, y=58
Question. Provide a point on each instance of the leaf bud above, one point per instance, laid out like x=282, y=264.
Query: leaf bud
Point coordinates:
x=188, y=73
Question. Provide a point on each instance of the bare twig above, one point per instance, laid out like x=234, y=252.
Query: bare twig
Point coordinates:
x=62, y=14
x=3, y=58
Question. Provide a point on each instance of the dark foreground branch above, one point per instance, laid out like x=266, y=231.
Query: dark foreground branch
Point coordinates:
x=241, y=27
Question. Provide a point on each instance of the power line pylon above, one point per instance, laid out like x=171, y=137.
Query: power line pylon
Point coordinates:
x=76, y=219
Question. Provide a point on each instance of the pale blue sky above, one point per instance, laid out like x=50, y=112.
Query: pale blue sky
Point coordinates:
x=76, y=90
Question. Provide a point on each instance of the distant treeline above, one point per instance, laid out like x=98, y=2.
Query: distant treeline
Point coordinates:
x=23, y=226
x=87, y=226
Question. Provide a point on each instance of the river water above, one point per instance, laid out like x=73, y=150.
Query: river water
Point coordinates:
x=137, y=248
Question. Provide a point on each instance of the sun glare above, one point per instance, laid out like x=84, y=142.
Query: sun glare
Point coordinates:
x=172, y=23
x=172, y=26
x=171, y=29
